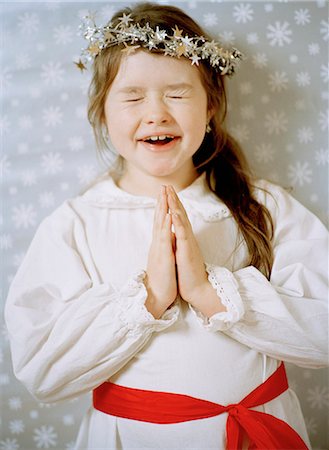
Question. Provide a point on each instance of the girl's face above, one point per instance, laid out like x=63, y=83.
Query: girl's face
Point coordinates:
x=156, y=114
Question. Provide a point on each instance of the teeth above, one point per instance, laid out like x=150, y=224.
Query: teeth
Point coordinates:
x=158, y=138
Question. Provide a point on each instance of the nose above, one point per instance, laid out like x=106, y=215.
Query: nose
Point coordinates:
x=156, y=112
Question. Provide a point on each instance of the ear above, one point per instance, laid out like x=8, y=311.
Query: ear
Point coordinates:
x=210, y=114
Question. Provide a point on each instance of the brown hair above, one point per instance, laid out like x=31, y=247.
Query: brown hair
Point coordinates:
x=219, y=156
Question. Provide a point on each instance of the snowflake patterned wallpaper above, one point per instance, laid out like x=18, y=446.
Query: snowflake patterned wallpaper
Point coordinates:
x=278, y=111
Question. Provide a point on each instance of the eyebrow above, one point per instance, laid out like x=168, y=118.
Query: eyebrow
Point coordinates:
x=135, y=89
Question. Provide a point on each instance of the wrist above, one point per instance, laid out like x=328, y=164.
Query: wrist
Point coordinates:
x=206, y=300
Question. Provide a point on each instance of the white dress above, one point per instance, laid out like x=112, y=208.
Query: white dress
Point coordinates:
x=76, y=315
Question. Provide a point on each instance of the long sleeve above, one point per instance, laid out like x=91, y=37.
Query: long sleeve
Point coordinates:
x=285, y=317
x=68, y=331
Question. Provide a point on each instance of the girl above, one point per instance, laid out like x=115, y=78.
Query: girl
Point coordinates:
x=176, y=285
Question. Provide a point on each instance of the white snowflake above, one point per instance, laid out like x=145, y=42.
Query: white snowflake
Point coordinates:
x=279, y=34
x=28, y=23
x=243, y=13
x=321, y=3
x=34, y=414
x=46, y=199
x=241, y=132
x=210, y=19
x=264, y=153
x=324, y=73
x=247, y=112
x=86, y=173
x=311, y=425
x=5, y=77
x=252, y=38
x=1, y=355
x=318, y=397
x=16, y=426
x=245, y=88
x=68, y=420
x=28, y=177
x=303, y=79
x=5, y=165
x=300, y=173
x=9, y=444
x=25, y=122
x=4, y=124
x=278, y=81
x=6, y=241
x=305, y=135
x=52, y=163
x=260, y=60
x=293, y=59
x=4, y=379
x=227, y=37
x=324, y=30
x=45, y=436
x=313, y=49
x=52, y=73
x=23, y=216
x=322, y=157
x=23, y=61
x=276, y=122
x=76, y=143
x=15, y=403
x=63, y=34
x=324, y=119
x=302, y=16
x=52, y=116
x=268, y=7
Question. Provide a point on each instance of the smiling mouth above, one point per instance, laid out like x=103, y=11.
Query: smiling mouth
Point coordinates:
x=159, y=140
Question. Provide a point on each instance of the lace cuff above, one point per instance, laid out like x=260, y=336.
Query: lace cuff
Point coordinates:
x=226, y=286
x=134, y=313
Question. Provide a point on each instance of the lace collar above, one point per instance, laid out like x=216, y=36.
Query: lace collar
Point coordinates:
x=197, y=197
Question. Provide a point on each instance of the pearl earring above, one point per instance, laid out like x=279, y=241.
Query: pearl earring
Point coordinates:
x=208, y=128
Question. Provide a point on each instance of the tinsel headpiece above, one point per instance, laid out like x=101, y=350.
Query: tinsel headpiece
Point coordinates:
x=132, y=36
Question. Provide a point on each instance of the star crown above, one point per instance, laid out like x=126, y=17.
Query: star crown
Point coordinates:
x=133, y=36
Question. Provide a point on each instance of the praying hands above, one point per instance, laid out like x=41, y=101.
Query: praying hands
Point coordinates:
x=175, y=263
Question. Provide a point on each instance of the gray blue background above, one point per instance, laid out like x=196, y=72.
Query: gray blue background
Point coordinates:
x=278, y=111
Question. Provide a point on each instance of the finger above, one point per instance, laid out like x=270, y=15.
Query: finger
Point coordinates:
x=161, y=209
x=177, y=207
x=173, y=242
x=181, y=231
x=172, y=195
x=166, y=233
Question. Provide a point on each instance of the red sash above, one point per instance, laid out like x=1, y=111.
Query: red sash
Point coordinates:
x=264, y=431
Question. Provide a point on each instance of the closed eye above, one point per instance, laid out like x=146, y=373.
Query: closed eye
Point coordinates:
x=134, y=99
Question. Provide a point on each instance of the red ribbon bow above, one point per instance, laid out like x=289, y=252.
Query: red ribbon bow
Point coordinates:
x=264, y=431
